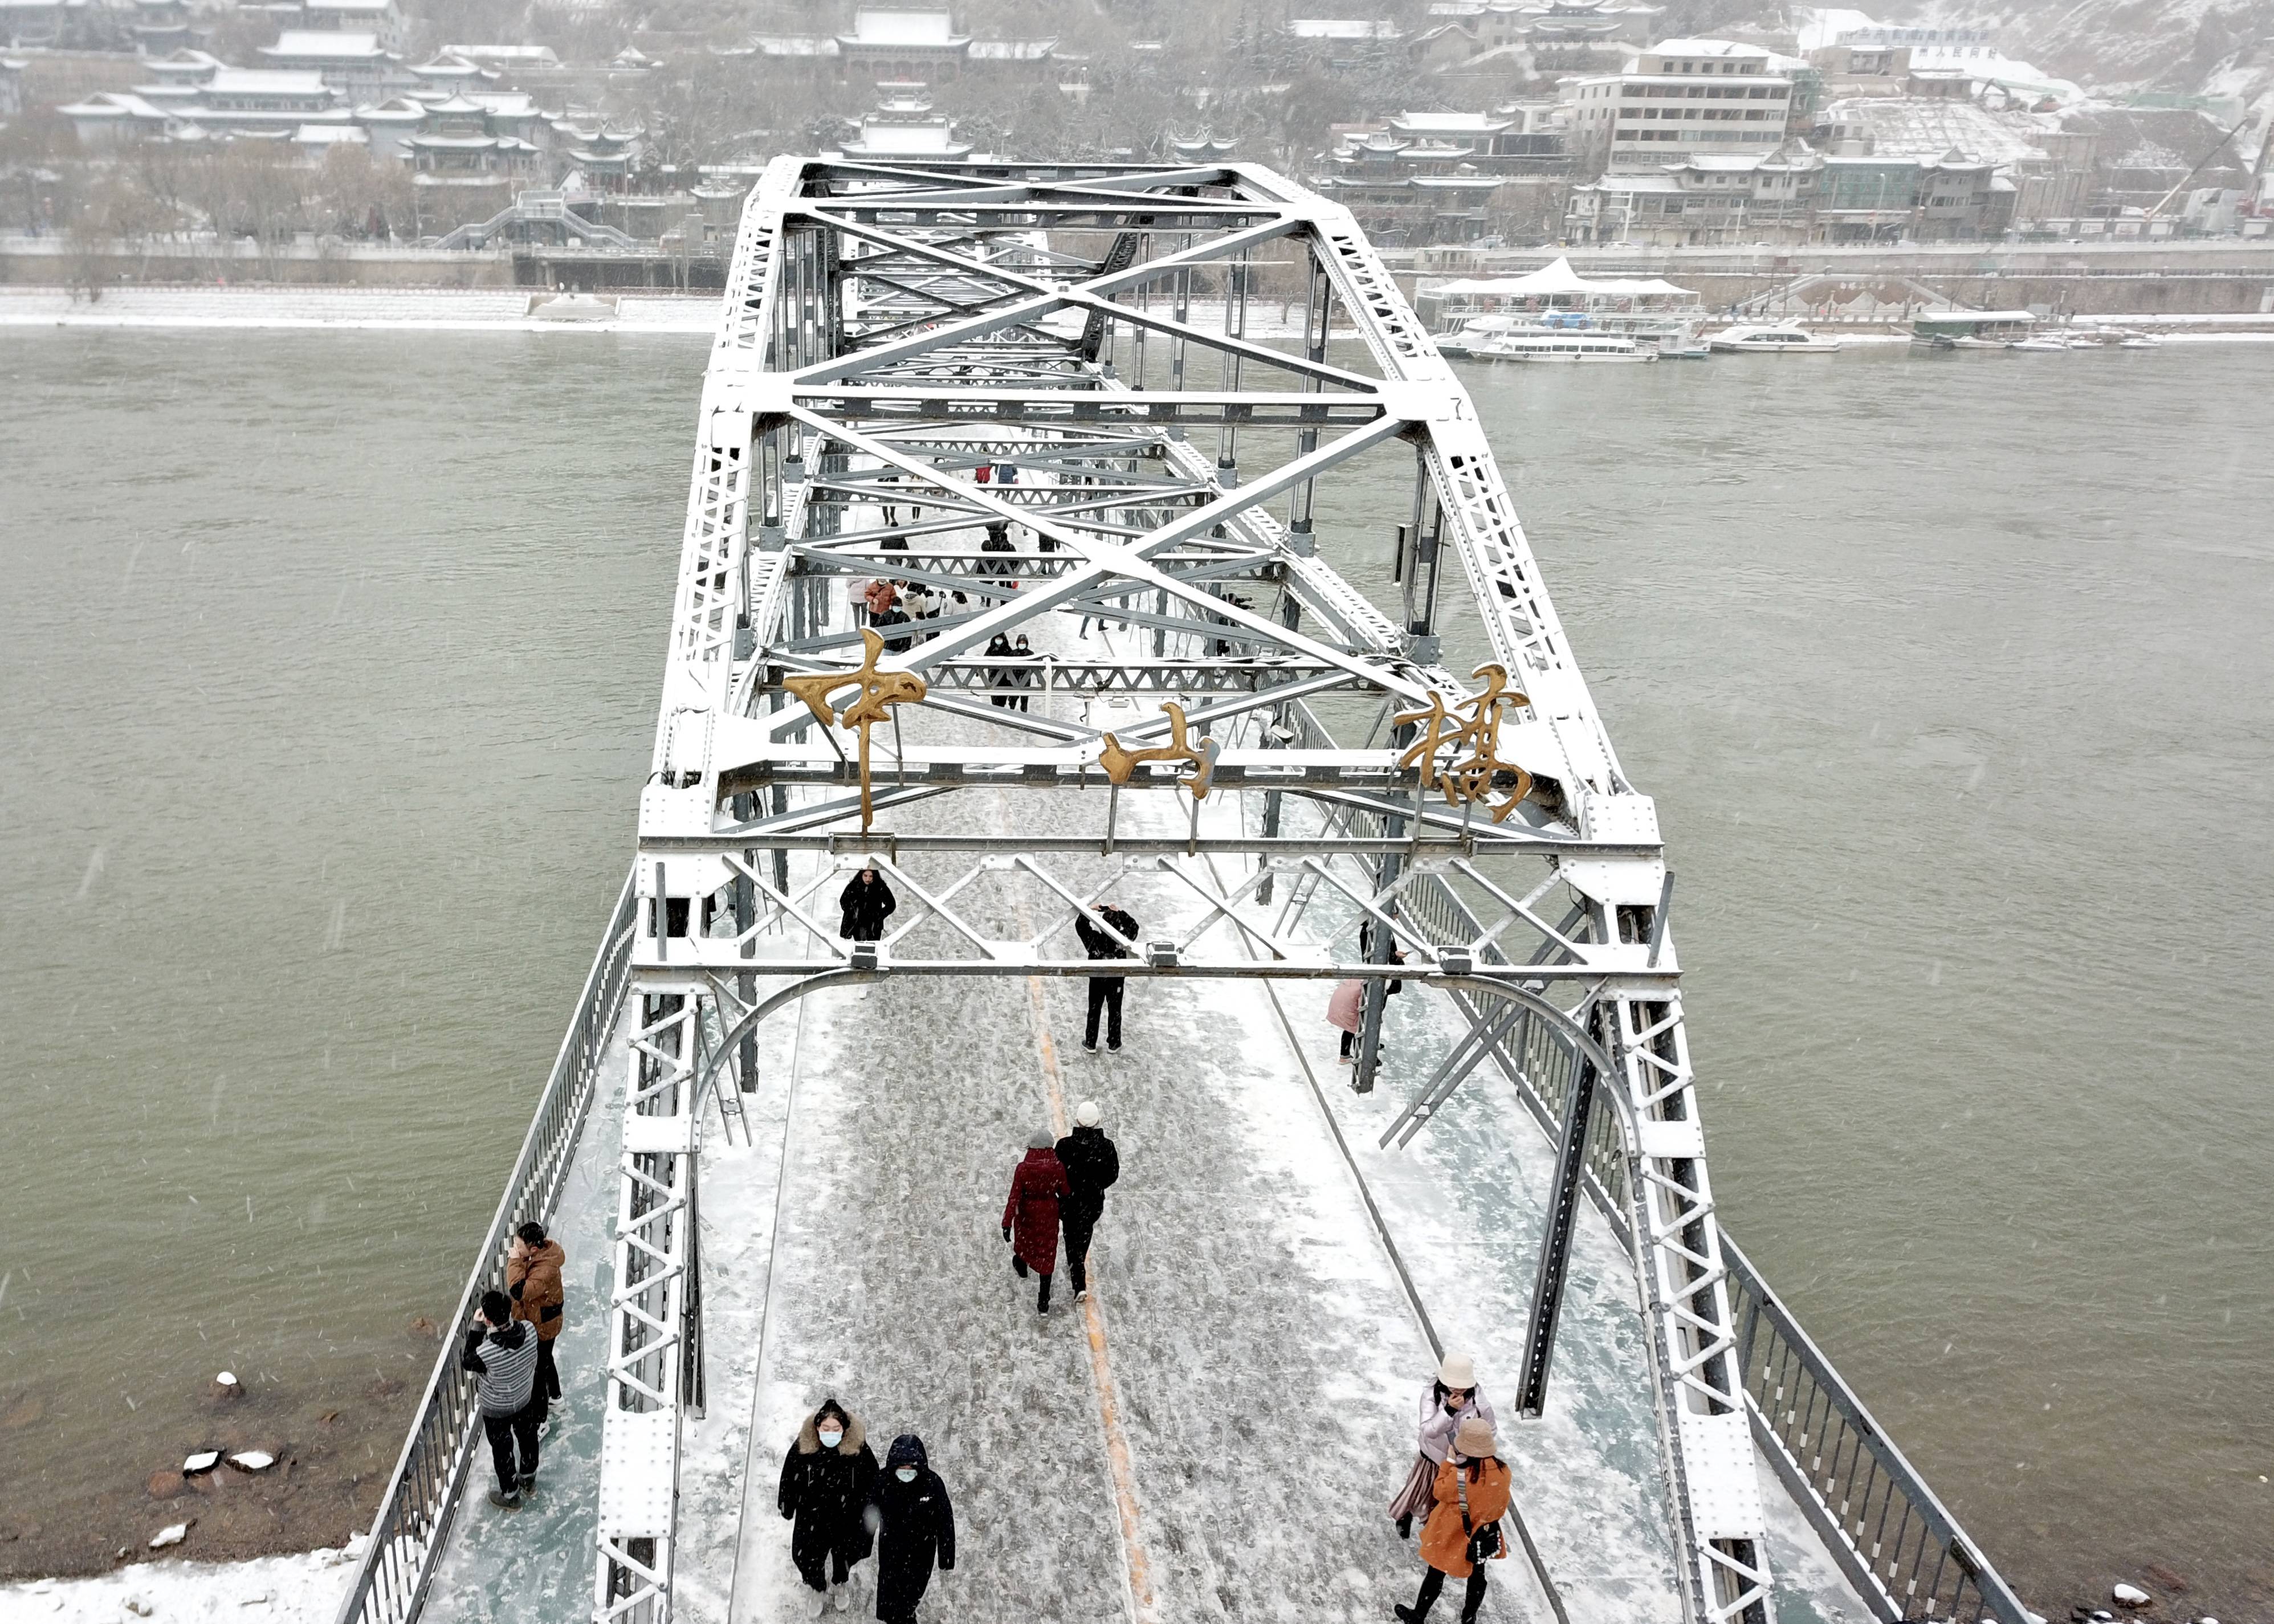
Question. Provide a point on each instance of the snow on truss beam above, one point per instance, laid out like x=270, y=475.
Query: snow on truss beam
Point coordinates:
x=891, y=330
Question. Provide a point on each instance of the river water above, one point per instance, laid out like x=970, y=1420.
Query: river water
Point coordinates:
x=327, y=666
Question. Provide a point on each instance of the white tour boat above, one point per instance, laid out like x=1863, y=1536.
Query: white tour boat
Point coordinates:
x=1769, y=338
x=1565, y=346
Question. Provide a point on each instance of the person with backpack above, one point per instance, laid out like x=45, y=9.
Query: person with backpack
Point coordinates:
x=1464, y=1532
x=825, y=1479
x=1092, y=1166
x=502, y=1352
x=1030, y=1217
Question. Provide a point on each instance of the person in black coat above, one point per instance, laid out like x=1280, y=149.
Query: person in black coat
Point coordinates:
x=999, y=677
x=1091, y=1165
x=866, y=902
x=1105, y=990
x=915, y=1527
x=825, y=1480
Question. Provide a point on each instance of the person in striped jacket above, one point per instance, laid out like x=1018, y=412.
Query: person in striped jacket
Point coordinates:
x=502, y=1351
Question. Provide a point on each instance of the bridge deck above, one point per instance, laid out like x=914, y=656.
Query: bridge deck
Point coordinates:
x=1263, y=1357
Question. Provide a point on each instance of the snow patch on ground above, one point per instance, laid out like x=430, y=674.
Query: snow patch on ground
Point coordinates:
x=303, y=1589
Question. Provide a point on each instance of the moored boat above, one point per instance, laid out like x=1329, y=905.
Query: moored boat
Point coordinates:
x=1769, y=338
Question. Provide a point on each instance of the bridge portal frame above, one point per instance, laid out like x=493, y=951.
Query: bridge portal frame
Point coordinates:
x=891, y=334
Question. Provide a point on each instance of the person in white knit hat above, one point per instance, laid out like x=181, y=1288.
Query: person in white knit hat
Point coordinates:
x=1450, y=1399
x=1092, y=1164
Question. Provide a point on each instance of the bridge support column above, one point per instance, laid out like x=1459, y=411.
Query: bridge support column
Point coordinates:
x=1555, y=1242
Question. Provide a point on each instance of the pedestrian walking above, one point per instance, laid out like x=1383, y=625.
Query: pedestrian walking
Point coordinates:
x=865, y=903
x=1346, y=1009
x=532, y=1280
x=998, y=540
x=1446, y=1402
x=1092, y=1166
x=1024, y=679
x=915, y=1526
x=920, y=603
x=880, y=595
x=825, y=1480
x=1105, y=990
x=895, y=641
x=1030, y=1217
x=998, y=677
x=502, y=1352
x=1463, y=1533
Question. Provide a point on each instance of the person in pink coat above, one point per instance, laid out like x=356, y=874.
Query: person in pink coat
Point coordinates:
x=1030, y=1217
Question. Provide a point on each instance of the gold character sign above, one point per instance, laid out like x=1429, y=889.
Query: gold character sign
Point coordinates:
x=1472, y=731
x=1120, y=763
x=880, y=690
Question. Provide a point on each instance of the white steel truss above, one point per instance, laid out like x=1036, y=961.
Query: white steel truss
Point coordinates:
x=896, y=340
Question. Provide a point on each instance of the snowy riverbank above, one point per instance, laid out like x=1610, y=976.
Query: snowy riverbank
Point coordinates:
x=473, y=310
x=302, y=1588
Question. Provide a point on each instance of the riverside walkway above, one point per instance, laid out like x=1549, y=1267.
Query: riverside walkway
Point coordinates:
x=777, y=1158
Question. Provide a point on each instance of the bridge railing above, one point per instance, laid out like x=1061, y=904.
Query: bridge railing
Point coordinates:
x=1898, y=1546
x=415, y=1514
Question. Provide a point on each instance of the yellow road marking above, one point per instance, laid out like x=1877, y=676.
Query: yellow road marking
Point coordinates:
x=1101, y=1370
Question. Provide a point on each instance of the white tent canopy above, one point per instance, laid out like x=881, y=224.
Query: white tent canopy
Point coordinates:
x=1561, y=278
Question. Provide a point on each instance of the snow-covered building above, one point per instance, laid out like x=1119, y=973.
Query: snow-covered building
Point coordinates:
x=905, y=127
x=1702, y=200
x=380, y=18
x=1428, y=179
x=910, y=45
x=356, y=64
x=114, y=118
x=2048, y=168
x=1681, y=97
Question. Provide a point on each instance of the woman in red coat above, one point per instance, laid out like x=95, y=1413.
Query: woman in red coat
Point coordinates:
x=1031, y=1215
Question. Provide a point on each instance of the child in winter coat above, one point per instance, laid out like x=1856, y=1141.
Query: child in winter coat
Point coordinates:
x=826, y=1481
x=1463, y=1532
x=915, y=1527
x=1031, y=1215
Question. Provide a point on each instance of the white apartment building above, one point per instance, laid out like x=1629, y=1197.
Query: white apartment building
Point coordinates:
x=1681, y=98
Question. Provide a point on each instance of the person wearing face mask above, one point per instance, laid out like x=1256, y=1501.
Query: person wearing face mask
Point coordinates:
x=1452, y=1398
x=914, y=1529
x=826, y=1481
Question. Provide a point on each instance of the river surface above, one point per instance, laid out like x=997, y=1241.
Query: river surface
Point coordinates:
x=327, y=667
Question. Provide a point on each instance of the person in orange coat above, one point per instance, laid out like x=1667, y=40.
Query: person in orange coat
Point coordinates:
x=532, y=1280
x=1463, y=1532
x=1037, y=1186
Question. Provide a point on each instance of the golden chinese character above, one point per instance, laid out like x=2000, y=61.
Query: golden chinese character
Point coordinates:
x=879, y=691
x=1120, y=763
x=1473, y=727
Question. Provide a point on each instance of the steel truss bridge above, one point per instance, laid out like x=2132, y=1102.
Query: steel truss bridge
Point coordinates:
x=892, y=335
x=1065, y=358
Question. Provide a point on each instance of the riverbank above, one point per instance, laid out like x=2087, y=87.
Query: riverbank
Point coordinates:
x=424, y=310
x=305, y=1588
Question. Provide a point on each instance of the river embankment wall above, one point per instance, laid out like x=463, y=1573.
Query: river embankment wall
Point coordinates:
x=1879, y=282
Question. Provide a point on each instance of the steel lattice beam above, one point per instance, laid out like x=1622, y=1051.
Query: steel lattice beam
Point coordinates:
x=911, y=354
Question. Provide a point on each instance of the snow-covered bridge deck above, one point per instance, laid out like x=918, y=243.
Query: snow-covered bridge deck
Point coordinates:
x=1263, y=1356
